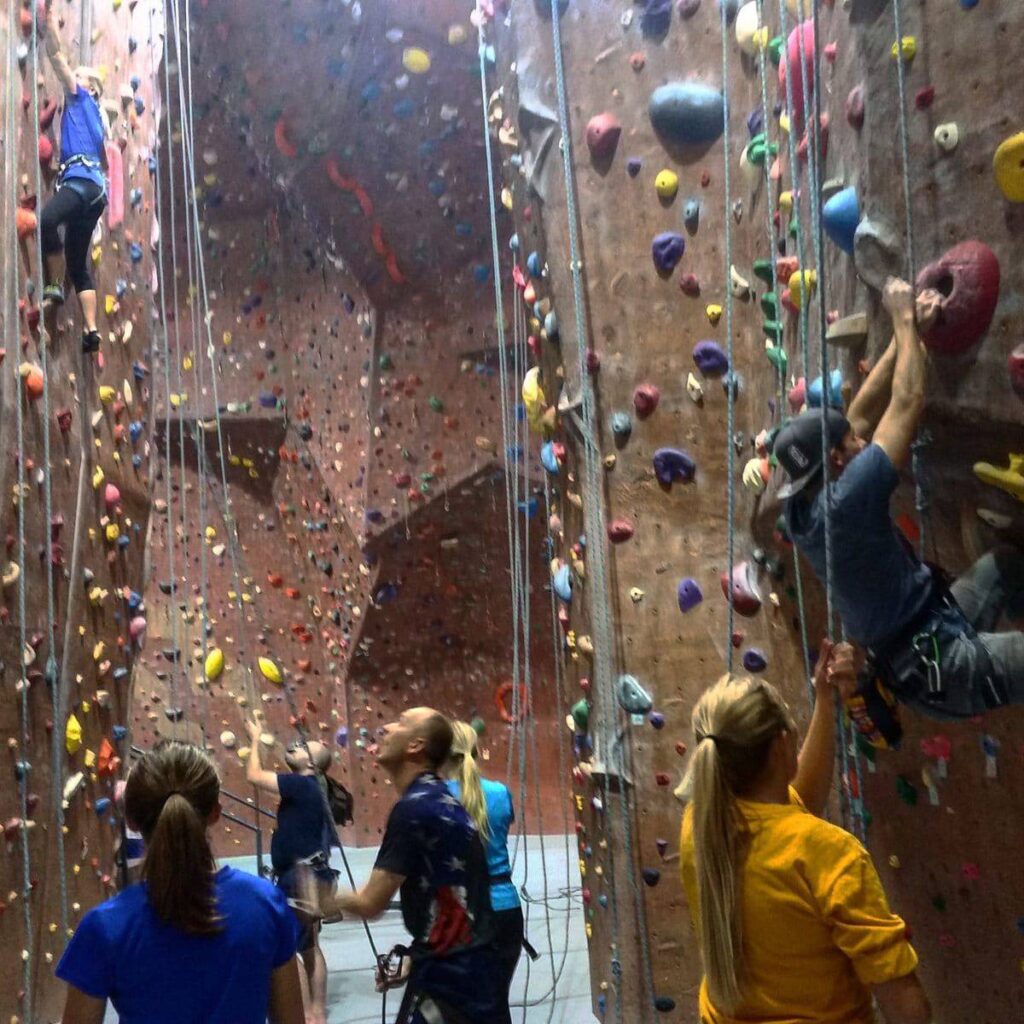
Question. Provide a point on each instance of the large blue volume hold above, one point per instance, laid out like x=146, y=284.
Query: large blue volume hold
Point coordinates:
x=687, y=113
x=840, y=217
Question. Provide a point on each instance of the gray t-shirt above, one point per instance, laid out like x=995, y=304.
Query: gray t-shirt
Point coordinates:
x=878, y=586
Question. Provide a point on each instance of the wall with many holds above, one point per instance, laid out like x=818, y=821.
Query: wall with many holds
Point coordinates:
x=85, y=503
x=673, y=262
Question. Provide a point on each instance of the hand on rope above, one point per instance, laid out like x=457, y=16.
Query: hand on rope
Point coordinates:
x=836, y=670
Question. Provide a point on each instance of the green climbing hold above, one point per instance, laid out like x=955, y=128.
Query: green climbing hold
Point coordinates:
x=773, y=331
x=939, y=903
x=581, y=715
x=384, y=362
x=775, y=50
x=764, y=269
x=778, y=358
x=436, y=404
x=479, y=725
x=794, y=226
x=906, y=790
x=770, y=305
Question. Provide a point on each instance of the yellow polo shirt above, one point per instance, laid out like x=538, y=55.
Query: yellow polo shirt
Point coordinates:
x=817, y=928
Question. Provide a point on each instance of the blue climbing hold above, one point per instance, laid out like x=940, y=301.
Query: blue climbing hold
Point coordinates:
x=672, y=465
x=513, y=243
x=548, y=459
x=755, y=121
x=633, y=166
x=835, y=391
x=534, y=264
x=551, y=326
x=667, y=250
x=687, y=113
x=633, y=698
x=268, y=400
x=691, y=215
x=710, y=358
x=840, y=217
x=689, y=594
x=135, y=251
x=464, y=229
x=102, y=805
x=140, y=105
x=561, y=583
x=754, y=660
x=481, y=273
x=119, y=732
x=622, y=425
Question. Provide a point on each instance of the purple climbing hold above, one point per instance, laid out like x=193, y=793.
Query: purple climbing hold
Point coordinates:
x=341, y=736
x=633, y=165
x=689, y=594
x=754, y=660
x=672, y=465
x=710, y=358
x=755, y=121
x=651, y=876
x=656, y=17
x=667, y=250
x=687, y=8
x=662, y=845
x=657, y=719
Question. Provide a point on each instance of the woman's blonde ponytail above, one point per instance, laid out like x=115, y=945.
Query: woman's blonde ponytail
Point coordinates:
x=463, y=768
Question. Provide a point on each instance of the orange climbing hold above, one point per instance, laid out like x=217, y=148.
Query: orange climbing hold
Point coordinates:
x=284, y=145
x=26, y=221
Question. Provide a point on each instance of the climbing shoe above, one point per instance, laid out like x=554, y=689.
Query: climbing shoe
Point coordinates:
x=90, y=342
x=54, y=294
x=1010, y=480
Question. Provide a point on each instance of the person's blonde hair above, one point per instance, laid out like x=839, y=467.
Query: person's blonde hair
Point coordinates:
x=734, y=724
x=462, y=767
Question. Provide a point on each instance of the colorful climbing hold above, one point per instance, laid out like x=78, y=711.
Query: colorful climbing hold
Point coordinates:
x=688, y=594
x=687, y=113
x=666, y=184
x=840, y=217
x=672, y=465
x=271, y=670
x=415, y=60
x=667, y=250
x=1008, y=165
x=710, y=358
x=603, y=131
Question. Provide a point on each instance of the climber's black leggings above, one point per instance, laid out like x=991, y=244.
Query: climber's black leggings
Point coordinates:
x=77, y=211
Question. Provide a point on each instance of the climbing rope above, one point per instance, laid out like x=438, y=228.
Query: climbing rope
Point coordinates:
x=593, y=511
x=51, y=671
x=11, y=316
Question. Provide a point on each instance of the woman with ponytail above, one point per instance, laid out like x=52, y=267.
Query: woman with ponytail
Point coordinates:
x=489, y=804
x=188, y=944
x=789, y=910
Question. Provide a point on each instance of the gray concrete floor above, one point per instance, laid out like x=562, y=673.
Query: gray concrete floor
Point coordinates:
x=350, y=993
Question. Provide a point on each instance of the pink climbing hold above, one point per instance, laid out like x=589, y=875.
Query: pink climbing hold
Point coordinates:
x=45, y=152
x=801, y=42
x=1015, y=364
x=111, y=496
x=645, y=400
x=797, y=395
x=137, y=627
x=620, y=530
x=967, y=277
x=855, y=107
x=603, y=131
x=115, y=188
x=742, y=590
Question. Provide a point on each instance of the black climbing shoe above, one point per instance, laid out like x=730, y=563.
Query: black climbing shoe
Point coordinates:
x=90, y=342
x=53, y=294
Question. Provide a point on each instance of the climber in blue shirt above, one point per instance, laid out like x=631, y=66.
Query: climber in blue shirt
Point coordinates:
x=81, y=186
x=189, y=944
x=932, y=646
x=489, y=804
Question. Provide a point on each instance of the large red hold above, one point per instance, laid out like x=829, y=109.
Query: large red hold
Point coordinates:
x=603, y=131
x=967, y=277
x=800, y=43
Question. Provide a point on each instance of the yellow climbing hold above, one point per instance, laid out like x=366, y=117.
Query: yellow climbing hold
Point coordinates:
x=1010, y=479
x=800, y=283
x=186, y=363
x=113, y=531
x=109, y=304
x=11, y=574
x=214, y=665
x=73, y=735
x=97, y=477
x=226, y=338
x=714, y=313
x=415, y=60
x=107, y=394
x=456, y=35
x=271, y=670
x=533, y=398
x=667, y=184
x=1008, y=164
x=786, y=201
x=907, y=49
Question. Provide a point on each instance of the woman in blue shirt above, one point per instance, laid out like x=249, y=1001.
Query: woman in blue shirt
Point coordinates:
x=189, y=944
x=81, y=186
x=489, y=804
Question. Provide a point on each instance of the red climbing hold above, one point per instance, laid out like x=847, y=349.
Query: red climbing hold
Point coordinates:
x=45, y=151
x=620, y=530
x=801, y=41
x=645, y=400
x=26, y=223
x=967, y=277
x=924, y=97
x=855, y=107
x=746, y=600
x=284, y=145
x=689, y=285
x=603, y=131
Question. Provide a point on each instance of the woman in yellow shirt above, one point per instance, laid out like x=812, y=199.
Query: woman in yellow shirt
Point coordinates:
x=792, y=920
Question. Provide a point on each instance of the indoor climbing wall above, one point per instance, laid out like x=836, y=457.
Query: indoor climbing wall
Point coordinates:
x=697, y=252
x=77, y=448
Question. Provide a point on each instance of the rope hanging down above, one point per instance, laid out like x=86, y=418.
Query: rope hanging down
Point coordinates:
x=11, y=290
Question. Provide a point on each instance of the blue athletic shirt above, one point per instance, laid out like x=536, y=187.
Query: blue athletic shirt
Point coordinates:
x=81, y=134
x=302, y=827
x=153, y=973
x=500, y=815
x=879, y=587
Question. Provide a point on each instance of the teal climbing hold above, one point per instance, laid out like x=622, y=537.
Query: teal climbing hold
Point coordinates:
x=687, y=113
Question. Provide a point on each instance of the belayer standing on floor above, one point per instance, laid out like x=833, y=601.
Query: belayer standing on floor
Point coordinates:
x=930, y=644
x=789, y=911
x=188, y=944
x=81, y=193
x=302, y=841
x=432, y=852
x=489, y=804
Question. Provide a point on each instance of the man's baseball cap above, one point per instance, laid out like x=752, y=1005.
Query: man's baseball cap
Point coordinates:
x=798, y=446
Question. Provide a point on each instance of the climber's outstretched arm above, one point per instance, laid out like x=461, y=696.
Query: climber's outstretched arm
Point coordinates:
x=60, y=64
x=869, y=403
